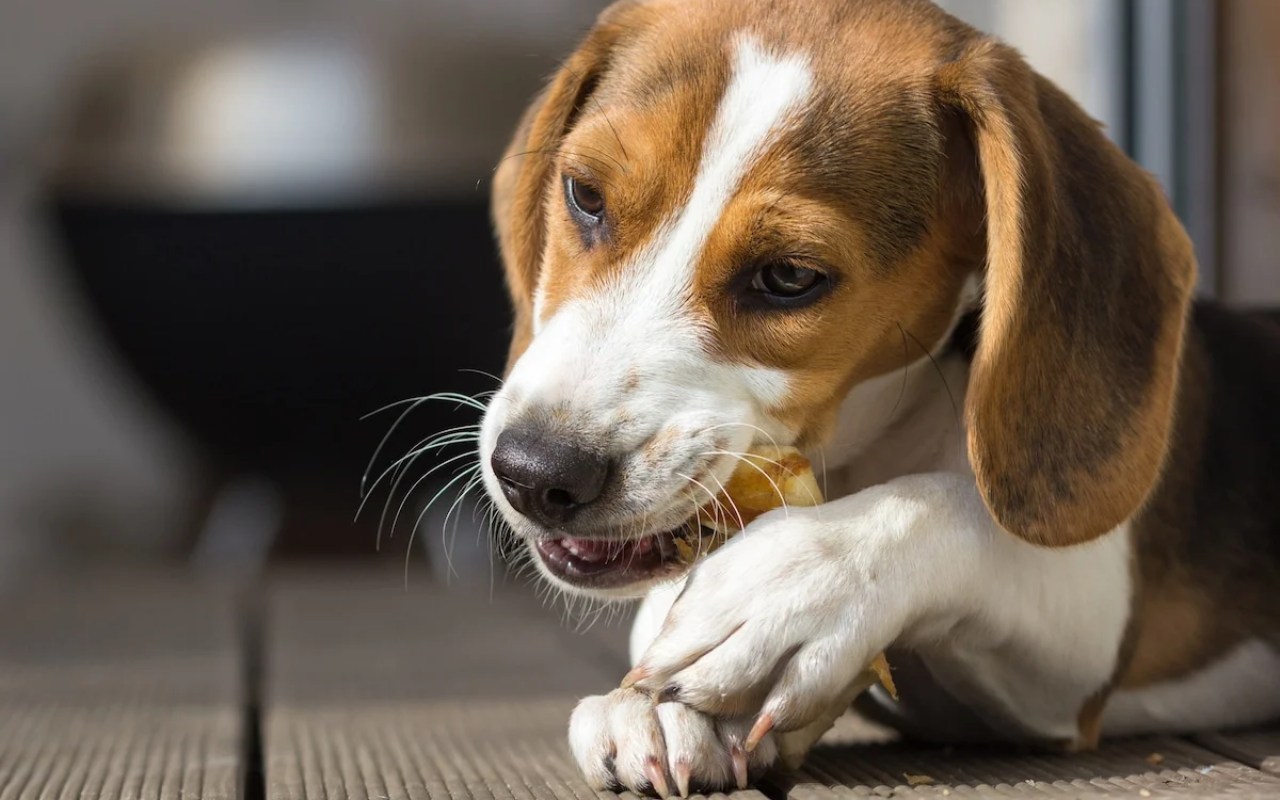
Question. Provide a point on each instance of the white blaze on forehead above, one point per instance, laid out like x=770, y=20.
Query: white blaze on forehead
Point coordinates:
x=639, y=322
x=763, y=91
x=756, y=107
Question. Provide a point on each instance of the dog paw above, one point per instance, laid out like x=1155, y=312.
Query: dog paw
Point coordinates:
x=778, y=624
x=624, y=740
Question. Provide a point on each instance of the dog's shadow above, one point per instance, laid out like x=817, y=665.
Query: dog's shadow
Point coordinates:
x=1147, y=767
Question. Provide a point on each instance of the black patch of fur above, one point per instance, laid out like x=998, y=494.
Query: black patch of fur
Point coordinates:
x=1225, y=531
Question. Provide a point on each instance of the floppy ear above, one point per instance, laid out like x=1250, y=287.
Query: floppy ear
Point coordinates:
x=1087, y=285
x=523, y=181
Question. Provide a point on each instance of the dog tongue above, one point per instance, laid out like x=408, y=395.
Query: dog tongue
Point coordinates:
x=596, y=550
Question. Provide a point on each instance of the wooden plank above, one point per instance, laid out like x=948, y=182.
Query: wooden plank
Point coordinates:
x=1151, y=767
x=377, y=692
x=125, y=687
x=1257, y=748
x=374, y=691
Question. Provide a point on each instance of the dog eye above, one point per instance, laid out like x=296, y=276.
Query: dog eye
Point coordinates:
x=585, y=199
x=786, y=281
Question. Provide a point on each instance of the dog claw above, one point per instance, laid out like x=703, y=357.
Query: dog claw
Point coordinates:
x=739, y=757
x=683, y=773
x=657, y=776
x=634, y=676
x=764, y=724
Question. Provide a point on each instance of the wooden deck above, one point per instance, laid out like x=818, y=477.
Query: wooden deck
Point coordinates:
x=343, y=685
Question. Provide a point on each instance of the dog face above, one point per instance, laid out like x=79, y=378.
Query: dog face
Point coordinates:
x=720, y=217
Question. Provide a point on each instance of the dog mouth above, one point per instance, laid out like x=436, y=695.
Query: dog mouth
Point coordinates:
x=591, y=563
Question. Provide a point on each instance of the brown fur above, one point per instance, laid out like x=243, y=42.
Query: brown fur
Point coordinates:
x=1072, y=389
x=1208, y=542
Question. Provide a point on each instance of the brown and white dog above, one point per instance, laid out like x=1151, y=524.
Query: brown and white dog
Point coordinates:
x=863, y=228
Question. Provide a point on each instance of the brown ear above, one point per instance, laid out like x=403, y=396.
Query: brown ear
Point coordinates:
x=524, y=180
x=1087, y=285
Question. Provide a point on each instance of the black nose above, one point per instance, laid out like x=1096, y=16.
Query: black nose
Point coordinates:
x=544, y=477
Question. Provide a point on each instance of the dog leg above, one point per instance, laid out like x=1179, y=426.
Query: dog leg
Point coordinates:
x=778, y=622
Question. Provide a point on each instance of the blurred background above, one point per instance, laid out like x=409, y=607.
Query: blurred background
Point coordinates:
x=228, y=230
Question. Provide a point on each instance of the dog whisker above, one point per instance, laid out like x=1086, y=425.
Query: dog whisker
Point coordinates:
x=386, y=437
x=448, y=538
x=720, y=513
x=696, y=509
x=602, y=158
x=499, y=536
x=409, y=494
x=732, y=503
x=822, y=454
x=906, y=373
x=484, y=374
x=750, y=458
x=609, y=122
x=955, y=409
x=418, y=522
x=755, y=428
x=718, y=507
x=466, y=433
x=746, y=458
x=399, y=469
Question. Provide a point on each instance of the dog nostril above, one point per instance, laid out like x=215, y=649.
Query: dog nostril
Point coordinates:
x=561, y=498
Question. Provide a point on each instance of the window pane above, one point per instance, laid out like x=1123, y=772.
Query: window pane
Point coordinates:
x=1075, y=43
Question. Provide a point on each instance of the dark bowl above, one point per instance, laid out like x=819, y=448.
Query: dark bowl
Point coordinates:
x=268, y=334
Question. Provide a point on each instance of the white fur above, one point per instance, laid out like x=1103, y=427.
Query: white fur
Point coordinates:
x=1242, y=688
x=1020, y=632
x=1041, y=633
x=539, y=306
x=1050, y=609
x=905, y=421
x=650, y=616
x=630, y=359
x=614, y=737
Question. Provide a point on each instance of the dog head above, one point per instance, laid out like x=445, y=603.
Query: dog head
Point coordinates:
x=722, y=215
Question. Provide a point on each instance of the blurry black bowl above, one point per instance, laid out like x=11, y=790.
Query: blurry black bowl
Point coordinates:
x=269, y=334
x=282, y=235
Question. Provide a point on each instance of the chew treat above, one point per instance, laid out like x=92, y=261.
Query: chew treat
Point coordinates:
x=767, y=478
x=793, y=746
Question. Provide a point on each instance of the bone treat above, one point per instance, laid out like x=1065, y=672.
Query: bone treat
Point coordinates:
x=767, y=478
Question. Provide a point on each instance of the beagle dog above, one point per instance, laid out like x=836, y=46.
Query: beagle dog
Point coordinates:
x=865, y=229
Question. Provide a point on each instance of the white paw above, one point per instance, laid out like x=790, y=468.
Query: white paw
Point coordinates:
x=780, y=622
x=623, y=740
